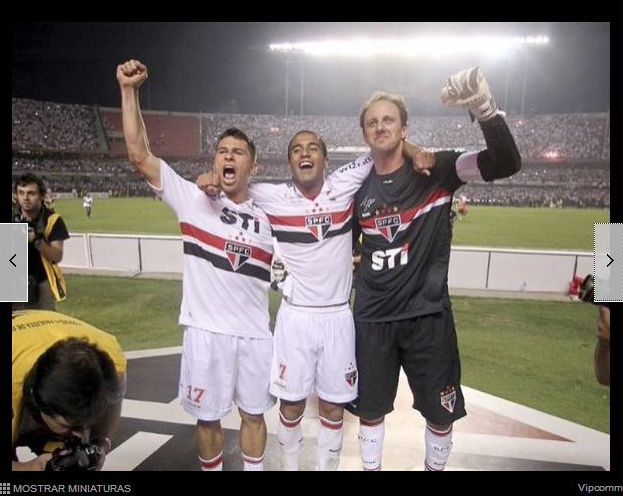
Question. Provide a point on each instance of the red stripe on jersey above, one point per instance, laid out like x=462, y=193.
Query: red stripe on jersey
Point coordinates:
x=338, y=217
x=299, y=220
x=211, y=463
x=219, y=243
x=408, y=215
x=335, y=426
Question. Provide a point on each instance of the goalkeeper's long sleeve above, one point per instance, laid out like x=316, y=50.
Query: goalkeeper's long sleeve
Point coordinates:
x=501, y=158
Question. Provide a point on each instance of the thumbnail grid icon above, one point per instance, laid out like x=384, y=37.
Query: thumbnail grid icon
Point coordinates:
x=5, y=488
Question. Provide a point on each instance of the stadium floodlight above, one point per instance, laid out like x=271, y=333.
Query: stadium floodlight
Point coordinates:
x=427, y=46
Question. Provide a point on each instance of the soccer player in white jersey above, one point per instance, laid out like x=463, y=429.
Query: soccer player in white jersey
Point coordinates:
x=314, y=332
x=87, y=203
x=227, y=255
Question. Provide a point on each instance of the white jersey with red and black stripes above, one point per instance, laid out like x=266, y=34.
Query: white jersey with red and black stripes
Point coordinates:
x=227, y=256
x=315, y=236
x=405, y=221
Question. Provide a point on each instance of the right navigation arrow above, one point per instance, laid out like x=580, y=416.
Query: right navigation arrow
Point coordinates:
x=611, y=260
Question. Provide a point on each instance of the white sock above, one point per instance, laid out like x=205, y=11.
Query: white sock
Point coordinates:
x=438, y=446
x=329, y=444
x=252, y=464
x=213, y=465
x=371, y=444
x=290, y=437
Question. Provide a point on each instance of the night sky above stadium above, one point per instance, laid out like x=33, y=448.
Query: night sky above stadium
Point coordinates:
x=227, y=67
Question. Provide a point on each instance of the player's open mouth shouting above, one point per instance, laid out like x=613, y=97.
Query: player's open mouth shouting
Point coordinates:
x=229, y=175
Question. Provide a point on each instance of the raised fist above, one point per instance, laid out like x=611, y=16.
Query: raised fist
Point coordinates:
x=131, y=74
x=469, y=89
x=209, y=183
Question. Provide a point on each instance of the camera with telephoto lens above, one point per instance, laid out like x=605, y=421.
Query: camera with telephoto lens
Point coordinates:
x=77, y=455
x=37, y=225
x=17, y=216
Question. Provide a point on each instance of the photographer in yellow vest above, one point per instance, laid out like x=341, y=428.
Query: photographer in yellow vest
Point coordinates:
x=46, y=233
x=68, y=382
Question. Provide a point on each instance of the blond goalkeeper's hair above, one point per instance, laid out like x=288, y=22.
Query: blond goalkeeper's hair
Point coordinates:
x=397, y=100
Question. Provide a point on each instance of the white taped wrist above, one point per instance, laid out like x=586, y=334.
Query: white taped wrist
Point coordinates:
x=486, y=111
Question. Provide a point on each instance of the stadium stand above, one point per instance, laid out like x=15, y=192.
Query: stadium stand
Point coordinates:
x=553, y=137
x=170, y=134
x=75, y=147
x=54, y=126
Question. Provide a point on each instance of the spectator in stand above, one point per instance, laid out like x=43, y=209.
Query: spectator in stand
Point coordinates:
x=555, y=144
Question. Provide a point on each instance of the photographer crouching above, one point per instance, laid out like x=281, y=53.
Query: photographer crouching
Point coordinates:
x=67, y=388
x=46, y=233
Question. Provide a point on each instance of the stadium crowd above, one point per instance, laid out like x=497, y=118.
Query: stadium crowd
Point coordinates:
x=555, y=137
x=567, y=195
x=53, y=126
x=566, y=156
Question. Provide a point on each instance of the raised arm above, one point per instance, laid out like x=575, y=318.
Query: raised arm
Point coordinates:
x=130, y=76
x=468, y=89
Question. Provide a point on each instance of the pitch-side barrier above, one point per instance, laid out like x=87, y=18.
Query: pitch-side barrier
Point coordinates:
x=478, y=268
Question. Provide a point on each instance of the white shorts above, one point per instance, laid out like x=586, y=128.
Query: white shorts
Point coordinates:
x=218, y=369
x=314, y=348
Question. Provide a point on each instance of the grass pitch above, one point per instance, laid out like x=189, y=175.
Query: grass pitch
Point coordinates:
x=536, y=353
x=511, y=227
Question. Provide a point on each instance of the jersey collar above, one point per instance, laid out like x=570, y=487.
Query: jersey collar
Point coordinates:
x=325, y=190
x=222, y=197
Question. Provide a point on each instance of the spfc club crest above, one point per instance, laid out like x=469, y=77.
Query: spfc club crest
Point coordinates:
x=237, y=254
x=448, y=398
x=388, y=226
x=318, y=225
x=351, y=375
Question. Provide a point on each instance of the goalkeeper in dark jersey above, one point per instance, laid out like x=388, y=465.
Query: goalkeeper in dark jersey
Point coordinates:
x=402, y=306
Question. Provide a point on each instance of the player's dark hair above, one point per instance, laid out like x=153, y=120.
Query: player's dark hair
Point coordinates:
x=397, y=100
x=305, y=131
x=30, y=178
x=238, y=134
x=75, y=379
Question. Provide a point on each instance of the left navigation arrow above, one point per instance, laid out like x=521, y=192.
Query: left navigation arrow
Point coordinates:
x=11, y=260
